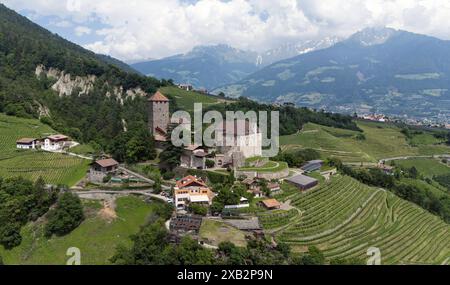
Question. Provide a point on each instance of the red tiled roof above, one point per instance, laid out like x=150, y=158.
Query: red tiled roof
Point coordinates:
x=158, y=97
x=107, y=162
x=58, y=137
x=189, y=180
x=271, y=203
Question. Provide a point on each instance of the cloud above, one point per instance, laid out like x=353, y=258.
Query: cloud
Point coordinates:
x=139, y=29
x=81, y=31
x=61, y=24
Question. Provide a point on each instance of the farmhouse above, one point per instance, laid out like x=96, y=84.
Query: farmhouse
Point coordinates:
x=386, y=168
x=274, y=188
x=191, y=189
x=257, y=193
x=312, y=165
x=26, y=143
x=102, y=168
x=55, y=142
x=271, y=204
x=185, y=224
x=186, y=87
x=303, y=182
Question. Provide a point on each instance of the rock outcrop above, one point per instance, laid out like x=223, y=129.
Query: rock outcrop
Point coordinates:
x=66, y=84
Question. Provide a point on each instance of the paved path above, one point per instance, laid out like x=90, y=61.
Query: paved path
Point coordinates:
x=411, y=157
x=147, y=193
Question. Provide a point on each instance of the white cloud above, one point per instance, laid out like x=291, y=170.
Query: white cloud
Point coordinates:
x=61, y=24
x=82, y=30
x=139, y=29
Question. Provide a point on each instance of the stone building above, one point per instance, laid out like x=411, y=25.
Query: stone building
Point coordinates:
x=241, y=139
x=159, y=116
x=102, y=168
x=194, y=157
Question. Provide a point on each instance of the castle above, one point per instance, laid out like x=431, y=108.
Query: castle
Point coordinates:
x=245, y=137
x=159, y=116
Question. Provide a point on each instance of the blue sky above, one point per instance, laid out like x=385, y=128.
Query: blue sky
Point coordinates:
x=67, y=28
x=140, y=29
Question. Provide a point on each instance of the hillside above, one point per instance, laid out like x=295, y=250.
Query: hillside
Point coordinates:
x=204, y=67
x=97, y=237
x=185, y=100
x=344, y=218
x=372, y=71
x=380, y=141
x=54, y=168
x=40, y=71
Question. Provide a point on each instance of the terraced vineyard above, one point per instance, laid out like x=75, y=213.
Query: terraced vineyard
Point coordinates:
x=381, y=141
x=344, y=218
x=276, y=219
x=54, y=168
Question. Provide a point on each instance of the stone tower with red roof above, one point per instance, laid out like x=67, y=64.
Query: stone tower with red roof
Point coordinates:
x=158, y=116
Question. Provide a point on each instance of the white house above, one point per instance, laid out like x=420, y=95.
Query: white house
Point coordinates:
x=26, y=143
x=55, y=142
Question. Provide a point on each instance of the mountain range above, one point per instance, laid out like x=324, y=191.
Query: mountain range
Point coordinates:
x=217, y=65
x=375, y=70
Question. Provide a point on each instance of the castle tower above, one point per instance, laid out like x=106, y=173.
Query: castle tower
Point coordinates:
x=158, y=116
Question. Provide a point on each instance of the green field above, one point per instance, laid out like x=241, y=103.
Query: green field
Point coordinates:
x=96, y=237
x=435, y=188
x=185, y=99
x=426, y=166
x=54, y=168
x=344, y=218
x=215, y=232
x=382, y=141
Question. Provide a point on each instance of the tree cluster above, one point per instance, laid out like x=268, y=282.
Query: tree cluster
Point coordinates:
x=297, y=158
x=21, y=201
x=65, y=217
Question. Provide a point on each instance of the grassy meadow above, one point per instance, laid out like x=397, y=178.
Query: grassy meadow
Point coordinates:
x=97, y=237
x=185, y=99
x=428, y=167
x=381, y=141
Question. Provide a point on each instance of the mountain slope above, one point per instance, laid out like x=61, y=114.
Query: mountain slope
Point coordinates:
x=34, y=62
x=290, y=50
x=375, y=70
x=204, y=66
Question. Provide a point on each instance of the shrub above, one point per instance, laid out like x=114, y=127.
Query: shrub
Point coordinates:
x=168, y=175
x=10, y=235
x=210, y=163
x=66, y=216
x=198, y=210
